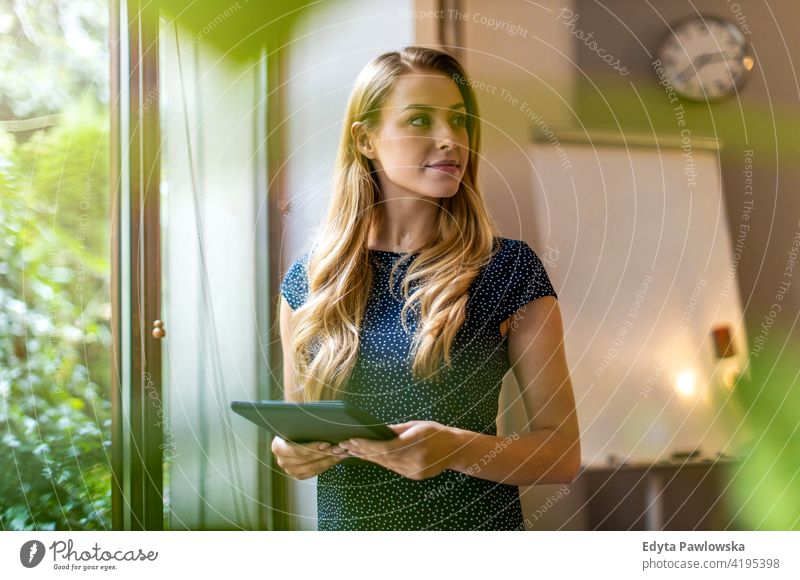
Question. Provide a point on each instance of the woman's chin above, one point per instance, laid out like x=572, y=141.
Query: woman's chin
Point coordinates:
x=441, y=192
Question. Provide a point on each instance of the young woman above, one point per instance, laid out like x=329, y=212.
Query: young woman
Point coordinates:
x=410, y=306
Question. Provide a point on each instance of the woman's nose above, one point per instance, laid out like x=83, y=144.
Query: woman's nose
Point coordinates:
x=445, y=139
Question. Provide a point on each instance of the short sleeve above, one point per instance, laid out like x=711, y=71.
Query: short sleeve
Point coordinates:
x=524, y=279
x=294, y=286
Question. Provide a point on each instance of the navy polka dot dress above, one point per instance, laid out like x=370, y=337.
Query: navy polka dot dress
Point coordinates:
x=360, y=495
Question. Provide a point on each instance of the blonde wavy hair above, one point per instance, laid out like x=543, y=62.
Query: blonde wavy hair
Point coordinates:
x=326, y=328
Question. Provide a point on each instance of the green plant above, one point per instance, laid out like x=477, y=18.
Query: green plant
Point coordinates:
x=55, y=420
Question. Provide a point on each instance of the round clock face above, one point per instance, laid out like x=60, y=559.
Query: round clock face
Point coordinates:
x=705, y=58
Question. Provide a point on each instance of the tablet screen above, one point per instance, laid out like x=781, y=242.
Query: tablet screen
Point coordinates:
x=331, y=421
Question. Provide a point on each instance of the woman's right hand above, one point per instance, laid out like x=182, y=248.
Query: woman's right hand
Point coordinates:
x=305, y=460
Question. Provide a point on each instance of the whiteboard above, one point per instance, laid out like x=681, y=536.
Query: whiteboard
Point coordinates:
x=639, y=249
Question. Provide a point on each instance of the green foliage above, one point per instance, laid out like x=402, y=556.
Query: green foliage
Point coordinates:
x=55, y=419
x=237, y=28
x=51, y=51
x=766, y=487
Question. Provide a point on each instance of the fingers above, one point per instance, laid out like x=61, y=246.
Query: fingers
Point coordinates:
x=309, y=469
x=402, y=427
x=304, y=460
x=300, y=459
x=373, y=446
x=295, y=453
x=306, y=451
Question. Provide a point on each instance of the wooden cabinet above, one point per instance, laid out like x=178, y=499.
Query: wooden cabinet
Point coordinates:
x=661, y=496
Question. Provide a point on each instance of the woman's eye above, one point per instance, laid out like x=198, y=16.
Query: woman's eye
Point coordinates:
x=422, y=121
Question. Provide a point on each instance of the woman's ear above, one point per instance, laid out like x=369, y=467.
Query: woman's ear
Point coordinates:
x=358, y=132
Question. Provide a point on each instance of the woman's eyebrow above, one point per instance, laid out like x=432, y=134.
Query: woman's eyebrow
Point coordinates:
x=429, y=107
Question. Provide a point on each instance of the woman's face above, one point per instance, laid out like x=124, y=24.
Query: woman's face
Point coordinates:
x=421, y=145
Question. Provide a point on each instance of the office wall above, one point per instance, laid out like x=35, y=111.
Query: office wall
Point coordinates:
x=762, y=119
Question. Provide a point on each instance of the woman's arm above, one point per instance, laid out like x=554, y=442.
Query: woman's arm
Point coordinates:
x=551, y=452
x=300, y=461
x=288, y=347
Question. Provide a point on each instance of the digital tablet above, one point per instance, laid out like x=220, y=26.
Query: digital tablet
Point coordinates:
x=331, y=421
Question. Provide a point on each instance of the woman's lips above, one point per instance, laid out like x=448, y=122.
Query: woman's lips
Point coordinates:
x=449, y=169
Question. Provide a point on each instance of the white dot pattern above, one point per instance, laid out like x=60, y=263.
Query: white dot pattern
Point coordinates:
x=360, y=495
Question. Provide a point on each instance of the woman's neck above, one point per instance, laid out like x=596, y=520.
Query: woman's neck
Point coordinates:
x=407, y=224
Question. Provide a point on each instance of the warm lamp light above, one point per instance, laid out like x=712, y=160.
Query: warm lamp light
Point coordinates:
x=686, y=383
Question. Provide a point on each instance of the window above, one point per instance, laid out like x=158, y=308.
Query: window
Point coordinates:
x=55, y=307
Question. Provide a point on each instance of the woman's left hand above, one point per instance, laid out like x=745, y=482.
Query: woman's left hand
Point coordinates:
x=421, y=450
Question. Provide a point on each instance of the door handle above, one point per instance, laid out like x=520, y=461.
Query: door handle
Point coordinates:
x=159, y=331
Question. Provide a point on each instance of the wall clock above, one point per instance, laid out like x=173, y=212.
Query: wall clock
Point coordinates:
x=705, y=58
